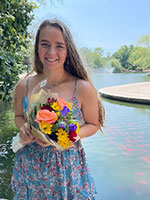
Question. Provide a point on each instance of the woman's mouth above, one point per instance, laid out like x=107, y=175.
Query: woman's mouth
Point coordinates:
x=51, y=60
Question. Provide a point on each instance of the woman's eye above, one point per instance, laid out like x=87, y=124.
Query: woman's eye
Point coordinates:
x=59, y=46
x=44, y=45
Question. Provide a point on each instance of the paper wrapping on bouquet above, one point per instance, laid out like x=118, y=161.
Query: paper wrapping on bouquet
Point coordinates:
x=37, y=99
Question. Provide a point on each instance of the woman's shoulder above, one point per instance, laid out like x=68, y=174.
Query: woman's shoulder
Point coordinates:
x=85, y=89
x=23, y=83
x=84, y=85
x=86, y=93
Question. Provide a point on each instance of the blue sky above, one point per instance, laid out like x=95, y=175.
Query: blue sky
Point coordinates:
x=101, y=23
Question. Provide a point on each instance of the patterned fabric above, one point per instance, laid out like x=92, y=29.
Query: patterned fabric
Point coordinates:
x=49, y=174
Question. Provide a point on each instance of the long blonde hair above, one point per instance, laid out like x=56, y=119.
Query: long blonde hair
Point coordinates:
x=73, y=64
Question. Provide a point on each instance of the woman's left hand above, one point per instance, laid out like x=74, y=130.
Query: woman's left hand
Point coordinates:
x=43, y=144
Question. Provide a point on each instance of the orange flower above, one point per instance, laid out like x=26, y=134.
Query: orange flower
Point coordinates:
x=61, y=102
x=46, y=116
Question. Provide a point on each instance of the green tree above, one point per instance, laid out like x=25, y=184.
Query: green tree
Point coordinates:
x=93, y=58
x=144, y=41
x=139, y=58
x=123, y=54
x=15, y=17
x=98, y=51
x=115, y=64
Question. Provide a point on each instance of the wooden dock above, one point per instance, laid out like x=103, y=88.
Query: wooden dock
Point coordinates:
x=133, y=93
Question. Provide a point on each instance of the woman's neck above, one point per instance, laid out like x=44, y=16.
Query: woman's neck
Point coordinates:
x=55, y=77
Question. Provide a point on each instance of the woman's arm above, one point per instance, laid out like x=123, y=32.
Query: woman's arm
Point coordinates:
x=18, y=107
x=88, y=99
x=20, y=122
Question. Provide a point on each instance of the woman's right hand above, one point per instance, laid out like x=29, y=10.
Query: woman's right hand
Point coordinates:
x=25, y=134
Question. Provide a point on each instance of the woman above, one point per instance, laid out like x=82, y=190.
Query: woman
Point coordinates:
x=41, y=171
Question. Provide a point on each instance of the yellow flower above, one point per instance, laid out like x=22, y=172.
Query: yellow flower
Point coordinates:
x=77, y=124
x=56, y=106
x=45, y=127
x=58, y=113
x=63, y=139
x=69, y=105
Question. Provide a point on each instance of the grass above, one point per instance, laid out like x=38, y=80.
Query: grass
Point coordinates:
x=7, y=131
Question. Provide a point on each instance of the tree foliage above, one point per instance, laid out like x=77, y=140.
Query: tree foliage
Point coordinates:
x=96, y=60
x=44, y=3
x=115, y=64
x=144, y=41
x=123, y=54
x=139, y=58
x=15, y=17
x=135, y=58
x=93, y=58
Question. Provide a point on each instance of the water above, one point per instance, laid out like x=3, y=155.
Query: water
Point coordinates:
x=119, y=160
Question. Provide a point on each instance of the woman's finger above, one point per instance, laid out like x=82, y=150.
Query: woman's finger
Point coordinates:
x=25, y=135
x=27, y=130
x=43, y=144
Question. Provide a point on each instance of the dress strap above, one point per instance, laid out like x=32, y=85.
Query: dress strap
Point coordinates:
x=75, y=87
x=27, y=84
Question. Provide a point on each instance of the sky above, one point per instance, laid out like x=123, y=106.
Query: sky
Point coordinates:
x=108, y=24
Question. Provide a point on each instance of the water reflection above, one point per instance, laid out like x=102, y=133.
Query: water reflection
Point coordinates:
x=146, y=78
x=120, y=160
x=140, y=108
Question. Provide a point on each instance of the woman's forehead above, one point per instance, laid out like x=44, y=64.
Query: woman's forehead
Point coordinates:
x=51, y=33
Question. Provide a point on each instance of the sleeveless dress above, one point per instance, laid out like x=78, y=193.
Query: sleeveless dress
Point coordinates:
x=45, y=173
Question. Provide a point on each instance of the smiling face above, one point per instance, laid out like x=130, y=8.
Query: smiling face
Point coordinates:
x=52, y=49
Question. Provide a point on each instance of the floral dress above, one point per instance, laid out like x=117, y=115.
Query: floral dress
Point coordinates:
x=45, y=173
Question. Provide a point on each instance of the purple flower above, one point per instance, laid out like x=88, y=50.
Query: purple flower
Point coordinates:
x=64, y=111
x=72, y=127
x=62, y=125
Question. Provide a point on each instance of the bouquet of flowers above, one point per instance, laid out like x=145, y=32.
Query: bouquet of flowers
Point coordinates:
x=50, y=120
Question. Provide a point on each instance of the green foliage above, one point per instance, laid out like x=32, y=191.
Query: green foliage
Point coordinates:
x=139, y=58
x=93, y=58
x=116, y=65
x=7, y=131
x=144, y=41
x=125, y=59
x=123, y=54
x=135, y=58
x=15, y=17
x=44, y=3
x=98, y=51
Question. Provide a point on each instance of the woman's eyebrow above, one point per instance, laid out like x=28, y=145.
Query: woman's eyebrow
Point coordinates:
x=60, y=43
x=43, y=41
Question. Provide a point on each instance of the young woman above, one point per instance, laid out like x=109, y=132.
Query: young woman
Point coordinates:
x=41, y=171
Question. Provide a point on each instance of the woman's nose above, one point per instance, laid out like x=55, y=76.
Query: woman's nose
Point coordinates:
x=51, y=50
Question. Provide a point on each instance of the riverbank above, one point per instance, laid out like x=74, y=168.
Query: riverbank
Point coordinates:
x=133, y=93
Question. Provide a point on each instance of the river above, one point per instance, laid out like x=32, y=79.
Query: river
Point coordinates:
x=119, y=159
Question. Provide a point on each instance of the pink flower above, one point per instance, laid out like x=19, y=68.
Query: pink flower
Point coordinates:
x=61, y=102
x=46, y=116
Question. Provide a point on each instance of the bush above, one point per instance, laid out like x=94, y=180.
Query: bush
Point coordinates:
x=15, y=17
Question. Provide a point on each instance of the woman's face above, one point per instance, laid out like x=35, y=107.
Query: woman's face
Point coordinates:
x=52, y=48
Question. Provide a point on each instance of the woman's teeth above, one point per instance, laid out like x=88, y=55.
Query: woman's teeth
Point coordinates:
x=51, y=60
